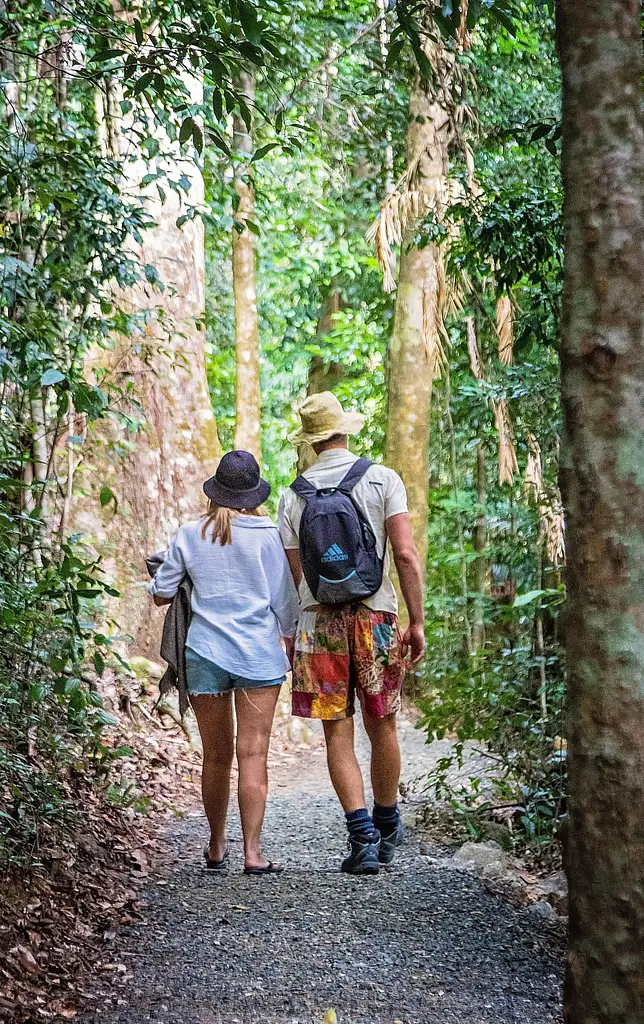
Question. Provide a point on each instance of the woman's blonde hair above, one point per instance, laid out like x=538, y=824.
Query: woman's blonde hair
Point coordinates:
x=221, y=520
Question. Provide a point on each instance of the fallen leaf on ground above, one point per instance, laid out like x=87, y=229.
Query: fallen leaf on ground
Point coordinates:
x=27, y=960
x=330, y=1017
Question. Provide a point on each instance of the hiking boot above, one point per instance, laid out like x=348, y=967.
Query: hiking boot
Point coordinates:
x=389, y=844
x=363, y=859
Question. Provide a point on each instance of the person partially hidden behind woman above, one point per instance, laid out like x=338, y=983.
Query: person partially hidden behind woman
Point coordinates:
x=243, y=599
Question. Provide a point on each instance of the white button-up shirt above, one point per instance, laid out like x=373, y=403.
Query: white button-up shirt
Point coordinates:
x=243, y=595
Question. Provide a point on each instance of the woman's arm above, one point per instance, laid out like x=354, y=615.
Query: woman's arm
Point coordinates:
x=169, y=575
x=284, y=600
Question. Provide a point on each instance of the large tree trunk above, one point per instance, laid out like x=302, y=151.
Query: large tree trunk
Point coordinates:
x=248, y=424
x=156, y=472
x=414, y=341
x=603, y=482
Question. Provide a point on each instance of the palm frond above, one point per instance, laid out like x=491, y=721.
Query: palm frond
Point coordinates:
x=508, y=464
x=473, y=350
x=505, y=329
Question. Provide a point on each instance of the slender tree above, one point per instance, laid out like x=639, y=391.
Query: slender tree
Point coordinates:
x=602, y=354
x=323, y=376
x=248, y=423
x=415, y=338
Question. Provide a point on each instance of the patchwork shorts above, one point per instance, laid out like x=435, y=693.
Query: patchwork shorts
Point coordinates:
x=343, y=650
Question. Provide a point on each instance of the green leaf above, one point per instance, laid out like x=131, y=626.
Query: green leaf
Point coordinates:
x=504, y=18
x=107, y=496
x=219, y=142
x=143, y=82
x=533, y=595
x=186, y=129
x=50, y=377
x=540, y=132
x=138, y=31
x=107, y=55
x=246, y=115
x=248, y=19
x=394, y=52
x=197, y=137
x=217, y=104
x=99, y=662
x=262, y=151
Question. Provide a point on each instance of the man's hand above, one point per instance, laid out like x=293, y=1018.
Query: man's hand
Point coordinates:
x=413, y=643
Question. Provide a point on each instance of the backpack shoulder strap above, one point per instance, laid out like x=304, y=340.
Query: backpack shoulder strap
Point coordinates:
x=304, y=488
x=356, y=473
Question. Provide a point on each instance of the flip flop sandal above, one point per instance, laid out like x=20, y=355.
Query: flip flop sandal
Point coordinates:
x=270, y=869
x=216, y=865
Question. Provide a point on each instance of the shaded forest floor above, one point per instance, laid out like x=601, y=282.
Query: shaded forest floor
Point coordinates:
x=421, y=944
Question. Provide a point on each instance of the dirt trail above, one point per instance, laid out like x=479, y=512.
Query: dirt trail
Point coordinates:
x=421, y=944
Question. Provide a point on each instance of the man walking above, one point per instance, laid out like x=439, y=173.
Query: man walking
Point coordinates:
x=337, y=521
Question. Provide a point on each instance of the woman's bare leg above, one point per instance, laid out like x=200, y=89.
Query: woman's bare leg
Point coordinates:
x=215, y=721
x=255, y=710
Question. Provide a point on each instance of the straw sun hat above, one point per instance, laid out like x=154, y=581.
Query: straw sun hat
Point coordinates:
x=322, y=416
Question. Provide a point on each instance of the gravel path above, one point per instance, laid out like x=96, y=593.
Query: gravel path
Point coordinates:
x=420, y=944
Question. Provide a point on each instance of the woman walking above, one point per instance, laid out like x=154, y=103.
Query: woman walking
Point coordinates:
x=243, y=599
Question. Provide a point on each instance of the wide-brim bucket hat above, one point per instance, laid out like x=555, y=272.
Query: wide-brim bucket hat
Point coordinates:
x=322, y=416
x=237, y=483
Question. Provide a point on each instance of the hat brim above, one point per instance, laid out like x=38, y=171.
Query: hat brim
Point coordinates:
x=227, y=498
x=349, y=423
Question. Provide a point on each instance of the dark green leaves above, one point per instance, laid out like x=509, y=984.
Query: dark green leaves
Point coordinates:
x=263, y=150
x=107, y=497
x=191, y=130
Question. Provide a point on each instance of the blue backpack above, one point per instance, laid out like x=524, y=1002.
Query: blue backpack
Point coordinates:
x=338, y=548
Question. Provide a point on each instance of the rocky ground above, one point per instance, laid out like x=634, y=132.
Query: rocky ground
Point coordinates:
x=424, y=943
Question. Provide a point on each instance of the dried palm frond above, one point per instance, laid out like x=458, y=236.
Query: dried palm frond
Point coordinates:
x=508, y=464
x=402, y=208
x=554, y=529
x=533, y=480
x=476, y=364
x=434, y=318
x=504, y=329
x=411, y=199
x=550, y=508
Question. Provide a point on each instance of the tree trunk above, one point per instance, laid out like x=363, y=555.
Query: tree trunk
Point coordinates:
x=323, y=376
x=248, y=425
x=155, y=472
x=414, y=341
x=602, y=356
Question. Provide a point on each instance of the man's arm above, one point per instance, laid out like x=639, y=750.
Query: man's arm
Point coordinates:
x=407, y=563
x=160, y=601
x=293, y=555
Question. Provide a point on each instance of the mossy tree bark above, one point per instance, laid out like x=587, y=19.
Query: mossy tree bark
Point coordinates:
x=156, y=456
x=412, y=351
x=602, y=356
x=248, y=433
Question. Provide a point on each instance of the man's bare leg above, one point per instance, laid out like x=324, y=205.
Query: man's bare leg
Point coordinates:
x=343, y=764
x=385, y=758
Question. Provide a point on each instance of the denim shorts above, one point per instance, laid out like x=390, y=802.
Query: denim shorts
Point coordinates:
x=204, y=676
